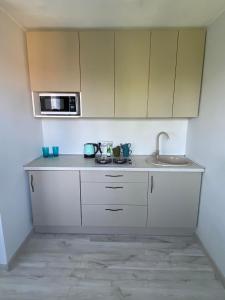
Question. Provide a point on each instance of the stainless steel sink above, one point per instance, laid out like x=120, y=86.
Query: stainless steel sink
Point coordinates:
x=170, y=160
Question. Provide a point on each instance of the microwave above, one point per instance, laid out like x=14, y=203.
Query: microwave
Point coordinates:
x=60, y=103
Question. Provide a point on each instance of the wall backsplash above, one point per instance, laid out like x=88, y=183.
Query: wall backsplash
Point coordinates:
x=70, y=135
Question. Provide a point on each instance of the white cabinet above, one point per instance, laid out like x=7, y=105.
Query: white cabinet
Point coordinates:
x=173, y=200
x=55, y=197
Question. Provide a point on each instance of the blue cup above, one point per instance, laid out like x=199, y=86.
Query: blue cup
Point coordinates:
x=126, y=149
x=45, y=151
x=55, y=151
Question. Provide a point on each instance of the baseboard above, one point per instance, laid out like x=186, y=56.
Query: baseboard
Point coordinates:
x=11, y=262
x=218, y=273
x=115, y=230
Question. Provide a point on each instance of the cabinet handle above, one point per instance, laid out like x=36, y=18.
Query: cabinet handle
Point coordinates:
x=113, y=175
x=114, y=187
x=32, y=182
x=152, y=184
x=117, y=209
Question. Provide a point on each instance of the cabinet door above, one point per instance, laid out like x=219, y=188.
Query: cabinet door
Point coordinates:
x=55, y=197
x=190, y=55
x=97, y=73
x=131, y=73
x=53, y=58
x=173, y=199
x=162, y=72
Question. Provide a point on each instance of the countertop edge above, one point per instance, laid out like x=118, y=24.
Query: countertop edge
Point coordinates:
x=130, y=169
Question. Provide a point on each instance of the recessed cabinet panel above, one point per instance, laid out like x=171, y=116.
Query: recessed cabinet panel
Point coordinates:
x=55, y=197
x=162, y=72
x=190, y=56
x=173, y=199
x=131, y=73
x=97, y=73
x=53, y=58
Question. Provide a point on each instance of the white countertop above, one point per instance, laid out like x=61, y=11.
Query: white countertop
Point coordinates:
x=78, y=162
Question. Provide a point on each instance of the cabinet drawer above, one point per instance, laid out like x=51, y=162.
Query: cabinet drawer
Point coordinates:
x=114, y=215
x=113, y=176
x=114, y=193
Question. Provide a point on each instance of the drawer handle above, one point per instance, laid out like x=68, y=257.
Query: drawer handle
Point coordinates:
x=117, y=209
x=114, y=187
x=113, y=175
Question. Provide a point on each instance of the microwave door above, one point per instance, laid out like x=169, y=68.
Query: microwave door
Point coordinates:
x=57, y=104
x=52, y=104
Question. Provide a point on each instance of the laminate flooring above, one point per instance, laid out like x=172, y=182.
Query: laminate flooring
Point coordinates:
x=97, y=267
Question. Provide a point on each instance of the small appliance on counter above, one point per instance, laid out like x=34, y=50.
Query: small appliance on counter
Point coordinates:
x=106, y=148
x=91, y=149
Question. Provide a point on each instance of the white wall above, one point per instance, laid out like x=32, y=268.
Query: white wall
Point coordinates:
x=70, y=135
x=20, y=137
x=206, y=144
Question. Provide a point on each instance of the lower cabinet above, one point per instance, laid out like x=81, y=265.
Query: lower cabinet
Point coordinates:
x=114, y=199
x=73, y=202
x=55, y=197
x=173, y=200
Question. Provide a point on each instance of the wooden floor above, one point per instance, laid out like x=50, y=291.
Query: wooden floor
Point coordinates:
x=111, y=268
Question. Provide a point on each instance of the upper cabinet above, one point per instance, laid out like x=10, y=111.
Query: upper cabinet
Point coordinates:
x=131, y=73
x=190, y=56
x=97, y=73
x=162, y=72
x=54, y=61
x=124, y=73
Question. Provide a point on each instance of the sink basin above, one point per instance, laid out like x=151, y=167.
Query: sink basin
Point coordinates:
x=171, y=160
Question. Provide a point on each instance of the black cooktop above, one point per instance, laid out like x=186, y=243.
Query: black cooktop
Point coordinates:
x=103, y=160
x=116, y=160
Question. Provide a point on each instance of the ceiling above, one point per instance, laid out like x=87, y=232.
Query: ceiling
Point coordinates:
x=112, y=13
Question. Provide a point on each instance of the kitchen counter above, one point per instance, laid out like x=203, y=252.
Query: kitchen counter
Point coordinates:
x=78, y=162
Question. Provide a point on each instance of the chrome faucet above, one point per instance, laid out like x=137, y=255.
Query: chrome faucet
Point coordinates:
x=157, y=141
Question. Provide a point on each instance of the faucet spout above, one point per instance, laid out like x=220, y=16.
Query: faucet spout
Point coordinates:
x=157, y=141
